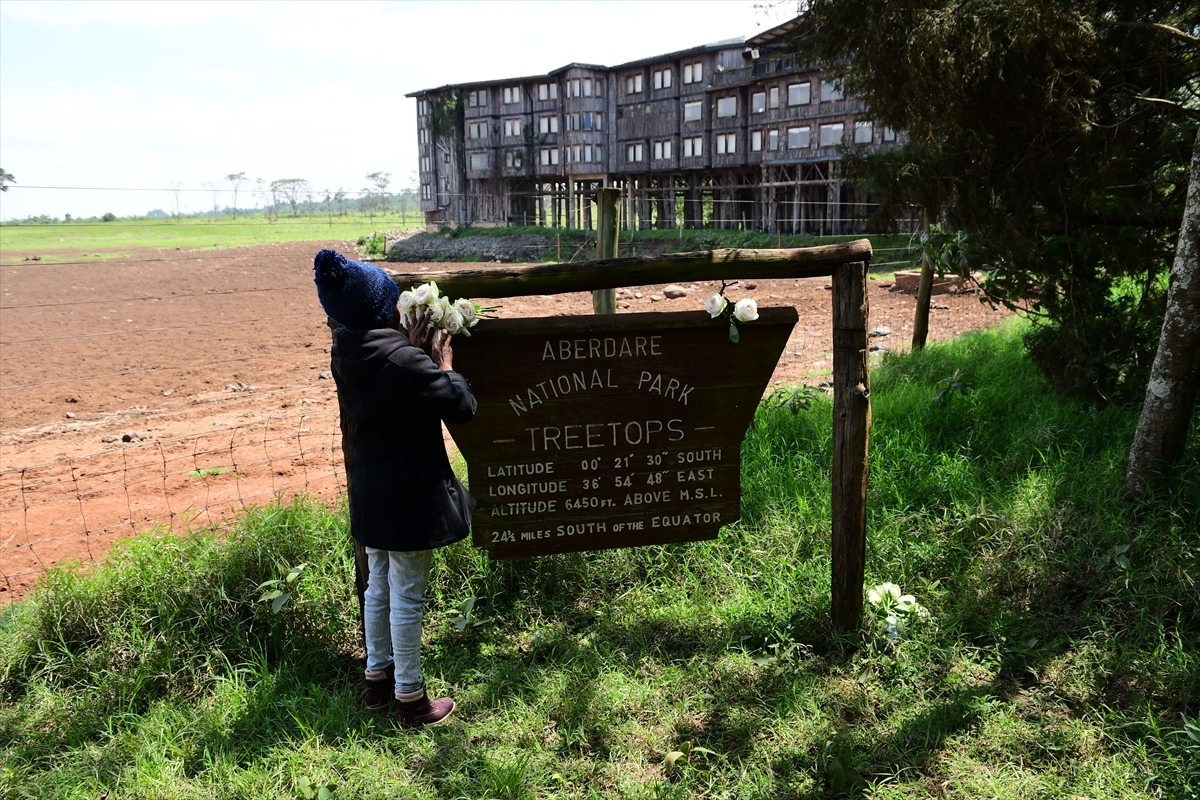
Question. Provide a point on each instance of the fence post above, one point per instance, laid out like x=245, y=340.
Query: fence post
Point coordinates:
x=851, y=429
x=604, y=301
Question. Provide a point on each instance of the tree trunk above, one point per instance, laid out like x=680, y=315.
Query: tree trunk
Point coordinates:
x=1175, y=376
x=924, y=293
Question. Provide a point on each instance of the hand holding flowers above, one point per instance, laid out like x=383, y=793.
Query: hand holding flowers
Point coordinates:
x=453, y=317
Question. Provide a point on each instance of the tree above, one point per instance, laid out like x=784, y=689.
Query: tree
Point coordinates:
x=1050, y=132
x=5, y=179
x=1175, y=377
x=291, y=190
x=176, y=187
x=215, y=188
x=235, y=179
x=380, y=181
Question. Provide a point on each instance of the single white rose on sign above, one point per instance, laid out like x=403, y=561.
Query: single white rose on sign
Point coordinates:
x=746, y=310
x=467, y=310
x=715, y=304
x=407, y=301
x=453, y=323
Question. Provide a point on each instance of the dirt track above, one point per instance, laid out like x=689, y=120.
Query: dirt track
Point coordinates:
x=212, y=362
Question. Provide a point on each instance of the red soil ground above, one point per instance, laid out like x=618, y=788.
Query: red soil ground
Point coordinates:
x=213, y=363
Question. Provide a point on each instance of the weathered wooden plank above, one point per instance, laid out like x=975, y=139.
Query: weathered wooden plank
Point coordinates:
x=610, y=431
x=509, y=281
x=851, y=428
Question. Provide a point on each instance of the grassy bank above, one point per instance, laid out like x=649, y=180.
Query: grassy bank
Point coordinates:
x=65, y=238
x=1060, y=657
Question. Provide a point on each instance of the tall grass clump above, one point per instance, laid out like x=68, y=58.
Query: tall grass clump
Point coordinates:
x=1056, y=654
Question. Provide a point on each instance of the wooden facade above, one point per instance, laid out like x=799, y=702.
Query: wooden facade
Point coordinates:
x=736, y=134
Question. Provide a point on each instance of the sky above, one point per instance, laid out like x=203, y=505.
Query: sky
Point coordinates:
x=127, y=99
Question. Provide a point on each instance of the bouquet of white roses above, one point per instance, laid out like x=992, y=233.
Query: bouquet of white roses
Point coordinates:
x=452, y=316
x=745, y=310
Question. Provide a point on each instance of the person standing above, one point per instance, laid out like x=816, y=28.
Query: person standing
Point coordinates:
x=395, y=388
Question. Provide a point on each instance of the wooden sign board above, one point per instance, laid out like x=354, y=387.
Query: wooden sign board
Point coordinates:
x=610, y=431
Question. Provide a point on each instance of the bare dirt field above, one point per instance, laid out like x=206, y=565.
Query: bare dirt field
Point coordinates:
x=175, y=387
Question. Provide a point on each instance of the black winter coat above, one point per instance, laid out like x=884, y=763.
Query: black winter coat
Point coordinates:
x=394, y=398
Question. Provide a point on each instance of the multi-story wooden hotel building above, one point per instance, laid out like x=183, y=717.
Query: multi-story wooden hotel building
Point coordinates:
x=736, y=134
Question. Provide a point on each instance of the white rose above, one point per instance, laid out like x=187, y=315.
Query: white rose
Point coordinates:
x=715, y=304
x=425, y=294
x=746, y=310
x=437, y=313
x=453, y=323
x=467, y=309
x=407, y=301
x=434, y=294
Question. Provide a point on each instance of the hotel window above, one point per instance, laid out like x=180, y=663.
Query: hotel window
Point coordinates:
x=477, y=130
x=693, y=73
x=512, y=127
x=587, y=120
x=422, y=107
x=758, y=102
x=693, y=146
x=633, y=84
x=597, y=121
x=662, y=79
x=445, y=157
x=662, y=150
x=889, y=135
x=425, y=192
x=548, y=124
x=479, y=161
x=587, y=87
x=831, y=134
x=756, y=141
x=830, y=90
x=477, y=98
x=862, y=133
x=773, y=92
x=587, y=153
x=598, y=152
x=633, y=152
x=726, y=143
x=513, y=159
x=574, y=153
x=425, y=164
x=772, y=140
x=726, y=106
x=800, y=94
x=549, y=156
x=798, y=137
x=512, y=94
x=692, y=111
x=547, y=91
x=572, y=121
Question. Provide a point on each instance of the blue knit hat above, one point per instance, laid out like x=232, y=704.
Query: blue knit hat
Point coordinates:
x=357, y=296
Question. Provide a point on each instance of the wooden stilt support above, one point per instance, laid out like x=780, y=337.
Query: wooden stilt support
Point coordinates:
x=604, y=301
x=851, y=431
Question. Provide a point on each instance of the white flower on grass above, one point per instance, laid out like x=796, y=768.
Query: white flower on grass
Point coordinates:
x=884, y=592
x=466, y=310
x=407, y=301
x=746, y=310
x=715, y=304
x=453, y=323
x=426, y=294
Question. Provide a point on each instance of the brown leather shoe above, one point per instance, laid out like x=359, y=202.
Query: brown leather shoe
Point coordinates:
x=423, y=711
x=382, y=692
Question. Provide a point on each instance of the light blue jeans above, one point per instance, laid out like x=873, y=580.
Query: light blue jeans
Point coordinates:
x=393, y=605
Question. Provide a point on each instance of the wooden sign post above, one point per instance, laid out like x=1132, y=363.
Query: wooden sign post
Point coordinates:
x=612, y=431
x=597, y=403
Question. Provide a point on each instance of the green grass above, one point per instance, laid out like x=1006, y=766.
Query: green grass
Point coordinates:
x=1061, y=657
x=73, y=238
